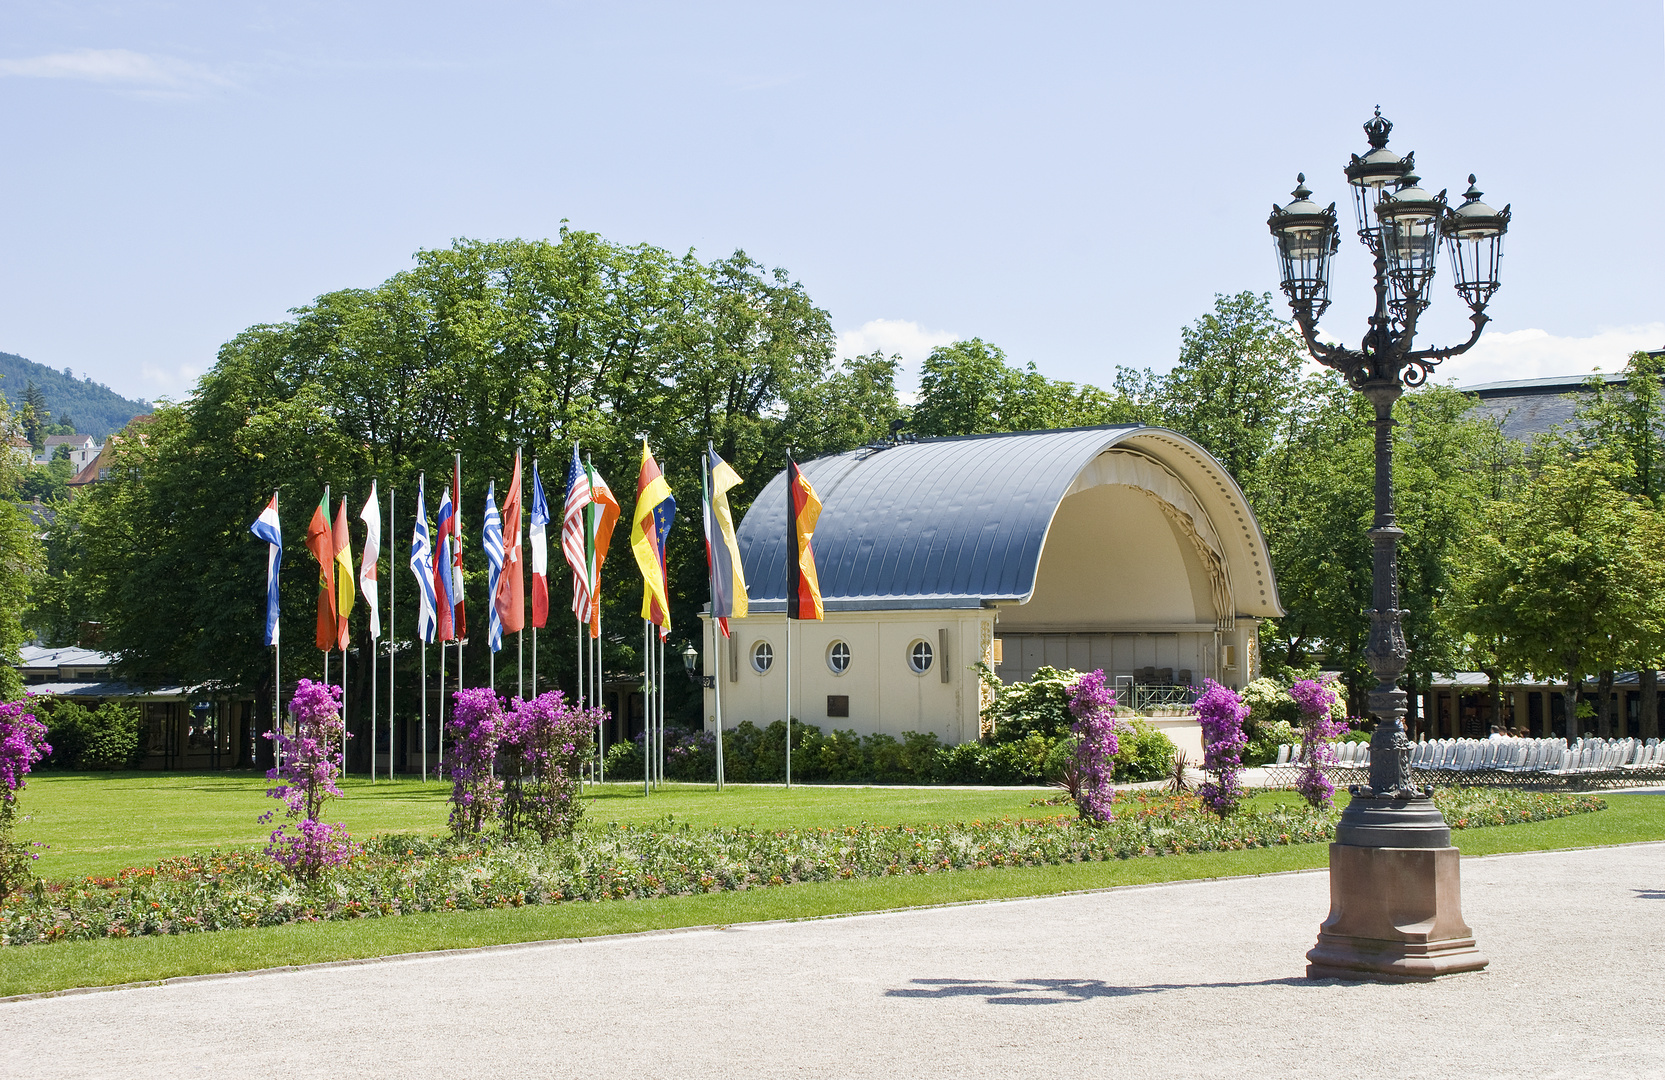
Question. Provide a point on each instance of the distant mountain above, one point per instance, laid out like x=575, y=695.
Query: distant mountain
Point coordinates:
x=94, y=408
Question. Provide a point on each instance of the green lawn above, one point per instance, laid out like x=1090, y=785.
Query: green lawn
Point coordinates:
x=109, y=822
x=99, y=823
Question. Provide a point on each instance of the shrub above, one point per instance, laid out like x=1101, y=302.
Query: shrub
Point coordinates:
x=624, y=761
x=1144, y=752
x=545, y=742
x=1318, y=705
x=310, y=760
x=842, y=756
x=922, y=755
x=93, y=740
x=475, y=726
x=1039, y=706
x=1222, y=713
x=22, y=744
x=1094, y=708
x=1271, y=720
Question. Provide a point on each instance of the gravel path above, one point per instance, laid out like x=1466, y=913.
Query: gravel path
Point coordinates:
x=1201, y=979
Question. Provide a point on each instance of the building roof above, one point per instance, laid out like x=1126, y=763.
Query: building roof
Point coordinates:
x=1528, y=408
x=51, y=656
x=69, y=440
x=962, y=522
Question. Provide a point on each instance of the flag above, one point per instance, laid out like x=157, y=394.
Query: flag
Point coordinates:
x=803, y=589
x=510, y=594
x=422, y=565
x=457, y=618
x=269, y=529
x=371, y=515
x=598, y=532
x=492, y=537
x=540, y=552
x=649, y=529
x=443, y=580
x=344, y=588
x=575, y=537
x=318, y=542
x=722, y=550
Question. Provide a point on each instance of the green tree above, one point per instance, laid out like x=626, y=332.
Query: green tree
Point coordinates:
x=20, y=561
x=968, y=388
x=1567, y=579
x=1236, y=383
x=35, y=417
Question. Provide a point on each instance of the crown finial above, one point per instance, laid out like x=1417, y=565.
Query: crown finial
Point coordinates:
x=1301, y=191
x=1473, y=193
x=1376, y=129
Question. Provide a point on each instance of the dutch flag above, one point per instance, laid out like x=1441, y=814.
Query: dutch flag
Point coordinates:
x=267, y=528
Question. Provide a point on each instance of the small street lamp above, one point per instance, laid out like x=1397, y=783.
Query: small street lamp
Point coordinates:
x=1394, y=902
x=691, y=663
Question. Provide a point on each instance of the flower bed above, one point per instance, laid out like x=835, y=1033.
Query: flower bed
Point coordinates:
x=399, y=875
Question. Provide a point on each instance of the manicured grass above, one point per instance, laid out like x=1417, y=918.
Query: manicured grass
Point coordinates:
x=99, y=823
x=38, y=968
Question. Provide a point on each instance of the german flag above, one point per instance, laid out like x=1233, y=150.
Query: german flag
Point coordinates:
x=803, y=588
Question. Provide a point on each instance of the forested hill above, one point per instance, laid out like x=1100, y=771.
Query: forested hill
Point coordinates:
x=94, y=408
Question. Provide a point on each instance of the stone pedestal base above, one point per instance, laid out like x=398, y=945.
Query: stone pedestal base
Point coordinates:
x=1395, y=916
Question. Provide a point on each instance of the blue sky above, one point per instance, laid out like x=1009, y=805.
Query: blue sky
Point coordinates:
x=1073, y=182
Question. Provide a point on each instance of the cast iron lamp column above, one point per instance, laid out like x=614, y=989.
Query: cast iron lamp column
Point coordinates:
x=1392, y=865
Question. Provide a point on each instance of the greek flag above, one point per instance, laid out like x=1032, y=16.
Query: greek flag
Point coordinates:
x=267, y=527
x=421, y=564
x=494, y=559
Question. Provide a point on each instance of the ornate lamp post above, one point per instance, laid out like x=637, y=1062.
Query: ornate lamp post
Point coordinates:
x=1395, y=910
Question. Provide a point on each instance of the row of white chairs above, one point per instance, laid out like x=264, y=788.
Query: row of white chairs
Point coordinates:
x=1610, y=760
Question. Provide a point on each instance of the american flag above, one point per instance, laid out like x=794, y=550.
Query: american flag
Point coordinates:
x=573, y=536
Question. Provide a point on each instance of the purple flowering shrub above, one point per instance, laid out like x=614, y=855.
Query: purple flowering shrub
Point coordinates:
x=1319, y=728
x=311, y=760
x=22, y=744
x=544, y=743
x=475, y=727
x=1093, y=705
x=1222, y=714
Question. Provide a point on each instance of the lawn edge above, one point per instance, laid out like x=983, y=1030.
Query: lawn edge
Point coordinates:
x=666, y=931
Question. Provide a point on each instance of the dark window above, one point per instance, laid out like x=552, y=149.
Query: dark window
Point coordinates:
x=838, y=705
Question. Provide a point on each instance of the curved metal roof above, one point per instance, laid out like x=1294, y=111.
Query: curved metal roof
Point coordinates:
x=952, y=522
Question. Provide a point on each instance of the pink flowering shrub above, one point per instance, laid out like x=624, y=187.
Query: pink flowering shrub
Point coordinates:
x=543, y=743
x=311, y=760
x=1222, y=714
x=475, y=727
x=22, y=743
x=1319, y=728
x=1093, y=705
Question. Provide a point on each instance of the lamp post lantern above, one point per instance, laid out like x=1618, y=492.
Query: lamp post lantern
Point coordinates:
x=1394, y=884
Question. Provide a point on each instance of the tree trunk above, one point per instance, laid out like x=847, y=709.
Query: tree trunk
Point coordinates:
x=1569, y=706
x=1494, y=691
x=1648, y=683
x=1604, y=705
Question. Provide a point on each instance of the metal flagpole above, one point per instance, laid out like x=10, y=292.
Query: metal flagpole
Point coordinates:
x=392, y=638
x=659, y=667
x=709, y=520
x=717, y=687
x=441, y=766
x=647, y=706
x=423, y=645
x=277, y=701
x=599, y=679
x=787, y=659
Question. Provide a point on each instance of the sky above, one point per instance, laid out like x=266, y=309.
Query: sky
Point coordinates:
x=1071, y=182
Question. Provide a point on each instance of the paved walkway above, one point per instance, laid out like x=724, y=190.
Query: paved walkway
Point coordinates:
x=1200, y=979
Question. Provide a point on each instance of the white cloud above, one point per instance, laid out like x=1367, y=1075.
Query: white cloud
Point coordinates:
x=118, y=67
x=174, y=383
x=1538, y=354
x=894, y=337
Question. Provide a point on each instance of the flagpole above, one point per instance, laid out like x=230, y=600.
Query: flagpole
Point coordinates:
x=600, y=679
x=787, y=660
x=647, y=706
x=520, y=634
x=659, y=667
x=441, y=766
x=708, y=520
x=392, y=635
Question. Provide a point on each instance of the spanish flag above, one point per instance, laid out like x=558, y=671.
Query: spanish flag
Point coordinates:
x=343, y=574
x=649, y=529
x=319, y=542
x=803, y=588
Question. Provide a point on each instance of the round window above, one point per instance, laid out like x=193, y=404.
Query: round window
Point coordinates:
x=919, y=657
x=763, y=657
x=838, y=658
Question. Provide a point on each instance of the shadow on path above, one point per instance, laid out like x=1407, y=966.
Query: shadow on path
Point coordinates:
x=1057, y=991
